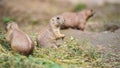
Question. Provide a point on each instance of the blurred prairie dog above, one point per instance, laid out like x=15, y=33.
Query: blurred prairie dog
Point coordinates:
x=76, y=20
x=47, y=37
x=19, y=41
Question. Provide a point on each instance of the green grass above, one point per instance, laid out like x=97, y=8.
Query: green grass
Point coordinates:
x=69, y=55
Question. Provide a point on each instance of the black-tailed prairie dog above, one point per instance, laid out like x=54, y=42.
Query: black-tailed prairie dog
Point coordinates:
x=19, y=41
x=47, y=37
x=76, y=20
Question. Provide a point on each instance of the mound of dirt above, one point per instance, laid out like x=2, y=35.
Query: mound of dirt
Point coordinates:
x=101, y=26
x=108, y=40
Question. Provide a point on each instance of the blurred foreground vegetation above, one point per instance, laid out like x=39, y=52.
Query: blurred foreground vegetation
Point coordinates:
x=68, y=55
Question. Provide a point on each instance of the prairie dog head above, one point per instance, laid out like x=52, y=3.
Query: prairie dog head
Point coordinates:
x=89, y=12
x=57, y=20
x=11, y=26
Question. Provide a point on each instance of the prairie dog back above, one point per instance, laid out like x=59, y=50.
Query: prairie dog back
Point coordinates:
x=19, y=40
x=76, y=20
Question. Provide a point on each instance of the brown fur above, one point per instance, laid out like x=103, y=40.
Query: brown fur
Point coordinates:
x=48, y=36
x=19, y=41
x=76, y=20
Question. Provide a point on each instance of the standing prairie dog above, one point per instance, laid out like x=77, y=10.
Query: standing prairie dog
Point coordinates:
x=47, y=37
x=19, y=41
x=76, y=20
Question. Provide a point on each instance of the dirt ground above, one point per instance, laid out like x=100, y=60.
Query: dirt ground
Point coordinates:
x=32, y=15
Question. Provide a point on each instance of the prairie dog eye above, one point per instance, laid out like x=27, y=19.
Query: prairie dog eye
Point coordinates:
x=91, y=10
x=58, y=18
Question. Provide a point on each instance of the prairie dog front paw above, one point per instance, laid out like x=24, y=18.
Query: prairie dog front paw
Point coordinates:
x=60, y=36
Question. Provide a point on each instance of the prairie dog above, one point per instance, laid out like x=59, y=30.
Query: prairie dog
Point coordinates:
x=18, y=40
x=76, y=20
x=47, y=37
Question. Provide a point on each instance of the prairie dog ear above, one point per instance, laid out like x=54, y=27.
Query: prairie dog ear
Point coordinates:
x=52, y=19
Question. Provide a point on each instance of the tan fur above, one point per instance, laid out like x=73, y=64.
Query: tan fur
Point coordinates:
x=19, y=41
x=76, y=20
x=48, y=36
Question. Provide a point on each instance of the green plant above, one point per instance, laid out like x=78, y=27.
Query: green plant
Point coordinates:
x=7, y=19
x=79, y=7
x=3, y=42
x=34, y=22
